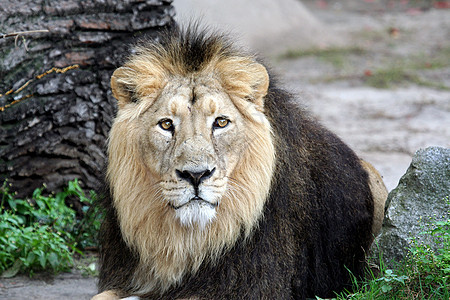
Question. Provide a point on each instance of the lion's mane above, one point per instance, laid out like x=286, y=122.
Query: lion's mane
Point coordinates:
x=298, y=218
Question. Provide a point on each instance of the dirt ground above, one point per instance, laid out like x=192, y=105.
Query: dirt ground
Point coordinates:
x=383, y=125
x=406, y=47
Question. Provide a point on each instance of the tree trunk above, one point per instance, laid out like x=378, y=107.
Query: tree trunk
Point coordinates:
x=56, y=106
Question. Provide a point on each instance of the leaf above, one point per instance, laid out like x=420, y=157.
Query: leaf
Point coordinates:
x=37, y=193
x=31, y=257
x=43, y=260
x=13, y=204
x=11, y=272
x=401, y=279
x=40, y=203
x=386, y=288
x=11, y=219
x=53, y=260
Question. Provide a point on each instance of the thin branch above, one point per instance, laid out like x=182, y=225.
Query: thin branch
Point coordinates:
x=37, y=77
x=15, y=34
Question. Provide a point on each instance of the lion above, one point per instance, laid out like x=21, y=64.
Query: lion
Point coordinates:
x=221, y=186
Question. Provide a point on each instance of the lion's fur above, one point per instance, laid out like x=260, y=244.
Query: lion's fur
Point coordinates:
x=167, y=249
x=284, y=185
x=379, y=193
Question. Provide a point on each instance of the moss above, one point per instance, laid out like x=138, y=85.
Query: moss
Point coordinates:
x=334, y=55
x=405, y=70
x=386, y=78
x=391, y=71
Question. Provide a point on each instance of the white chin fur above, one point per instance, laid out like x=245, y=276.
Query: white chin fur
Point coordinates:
x=196, y=213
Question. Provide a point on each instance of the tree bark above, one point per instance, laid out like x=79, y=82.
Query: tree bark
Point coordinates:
x=56, y=106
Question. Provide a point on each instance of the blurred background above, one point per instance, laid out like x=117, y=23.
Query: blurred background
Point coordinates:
x=376, y=72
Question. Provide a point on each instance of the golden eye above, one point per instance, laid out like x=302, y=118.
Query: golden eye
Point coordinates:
x=221, y=122
x=166, y=124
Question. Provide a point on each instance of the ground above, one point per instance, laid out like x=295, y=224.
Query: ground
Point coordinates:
x=385, y=91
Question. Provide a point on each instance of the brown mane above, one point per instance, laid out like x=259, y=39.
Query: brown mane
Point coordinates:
x=168, y=250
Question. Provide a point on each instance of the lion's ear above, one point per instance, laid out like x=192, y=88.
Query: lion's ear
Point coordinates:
x=131, y=83
x=245, y=78
x=122, y=86
x=260, y=83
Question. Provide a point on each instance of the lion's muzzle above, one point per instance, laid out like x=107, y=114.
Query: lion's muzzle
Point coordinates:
x=197, y=204
x=195, y=177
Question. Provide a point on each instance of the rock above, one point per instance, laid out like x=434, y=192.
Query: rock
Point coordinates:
x=415, y=202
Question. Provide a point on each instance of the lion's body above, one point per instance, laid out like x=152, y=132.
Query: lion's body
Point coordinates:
x=284, y=211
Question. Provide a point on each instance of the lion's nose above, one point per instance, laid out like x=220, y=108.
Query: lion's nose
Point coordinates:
x=195, y=178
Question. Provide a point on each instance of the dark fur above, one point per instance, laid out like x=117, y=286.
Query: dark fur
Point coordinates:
x=317, y=220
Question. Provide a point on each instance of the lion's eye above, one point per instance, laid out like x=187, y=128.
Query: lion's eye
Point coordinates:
x=221, y=122
x=166, y=124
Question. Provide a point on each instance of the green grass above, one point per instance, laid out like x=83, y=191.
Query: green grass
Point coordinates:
x=392, y=71
x=405, y=70
x=334, y=55
x=43, y=233
x=399, y=75
x=424, y=274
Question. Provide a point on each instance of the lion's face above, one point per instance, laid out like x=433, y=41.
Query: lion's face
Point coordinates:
x=191, y=139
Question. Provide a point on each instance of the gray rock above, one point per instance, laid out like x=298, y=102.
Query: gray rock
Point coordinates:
x=418, y=200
